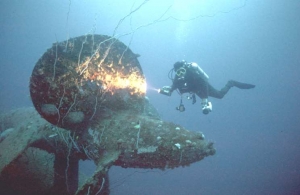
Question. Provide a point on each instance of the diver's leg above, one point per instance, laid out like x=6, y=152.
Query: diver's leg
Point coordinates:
x=216, y=93
x=231, y=83
x=240, y=85
x=203, y=94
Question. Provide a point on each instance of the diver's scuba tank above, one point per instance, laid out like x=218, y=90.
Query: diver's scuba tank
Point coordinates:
x=199, y=70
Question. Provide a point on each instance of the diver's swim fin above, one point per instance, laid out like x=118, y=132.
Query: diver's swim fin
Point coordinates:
x=240, y=85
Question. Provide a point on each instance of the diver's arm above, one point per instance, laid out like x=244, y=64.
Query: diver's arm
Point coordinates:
x=173, y=87
x=167, y=90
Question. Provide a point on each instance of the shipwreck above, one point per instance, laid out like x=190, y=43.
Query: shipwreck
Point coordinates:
x=89, y=103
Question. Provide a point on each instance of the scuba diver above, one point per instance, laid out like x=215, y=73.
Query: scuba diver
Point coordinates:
x=190, y=78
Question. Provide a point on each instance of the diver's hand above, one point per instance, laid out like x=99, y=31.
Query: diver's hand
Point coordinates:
x=165, y=90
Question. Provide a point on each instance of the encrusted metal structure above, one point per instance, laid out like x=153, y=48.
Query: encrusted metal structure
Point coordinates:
x=90, y=104
x=76, y=81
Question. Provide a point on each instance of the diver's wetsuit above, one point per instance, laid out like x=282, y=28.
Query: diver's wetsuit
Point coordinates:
x=212, y=92
x=194, y=82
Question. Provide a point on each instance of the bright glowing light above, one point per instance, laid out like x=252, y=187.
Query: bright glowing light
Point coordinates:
x=154, y=89
x=112, y=80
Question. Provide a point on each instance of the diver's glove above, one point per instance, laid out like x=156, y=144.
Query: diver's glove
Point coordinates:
x=165, y=90
x=206, y=106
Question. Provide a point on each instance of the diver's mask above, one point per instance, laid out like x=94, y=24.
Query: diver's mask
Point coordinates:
x=181, y=72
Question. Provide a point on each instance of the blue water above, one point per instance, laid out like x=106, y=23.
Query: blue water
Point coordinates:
x=256, y=132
